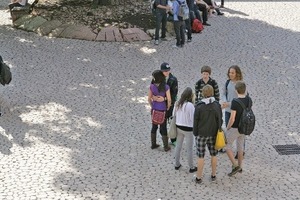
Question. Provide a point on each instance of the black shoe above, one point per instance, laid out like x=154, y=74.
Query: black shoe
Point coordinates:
x=177, y=168
x=206, y=24
x=213, y=178
x=234, y=171
x=192, y=170
x=196, y=180
x=155, y=146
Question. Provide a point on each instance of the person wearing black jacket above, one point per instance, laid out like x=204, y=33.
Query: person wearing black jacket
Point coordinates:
x=207, y=121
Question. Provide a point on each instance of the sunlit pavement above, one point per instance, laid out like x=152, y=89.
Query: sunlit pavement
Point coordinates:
x=76, y=124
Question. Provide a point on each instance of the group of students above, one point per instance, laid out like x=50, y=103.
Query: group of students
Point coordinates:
x=199, y=117
x=165, y=8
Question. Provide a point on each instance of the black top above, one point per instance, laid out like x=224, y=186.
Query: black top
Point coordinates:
x=207, y=119
x=239, y=110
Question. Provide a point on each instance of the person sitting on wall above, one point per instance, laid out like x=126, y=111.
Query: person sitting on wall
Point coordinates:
x=17, y=3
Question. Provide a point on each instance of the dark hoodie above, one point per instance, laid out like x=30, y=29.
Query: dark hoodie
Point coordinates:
x=207, y=118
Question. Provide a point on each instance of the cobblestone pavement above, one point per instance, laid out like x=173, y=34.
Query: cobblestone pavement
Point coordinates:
x=76, y=124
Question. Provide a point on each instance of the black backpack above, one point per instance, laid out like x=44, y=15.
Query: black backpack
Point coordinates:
x=247, y=120
x=5, y=73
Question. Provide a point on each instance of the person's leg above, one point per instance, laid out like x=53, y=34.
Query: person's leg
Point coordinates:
x=177, y=32
x=213, y=153
x=153, y=136
x=190, y=146
x=189, y=29
x=12, y=5
x=164, y=25
x=197, y=13
x=213, y=166
x=158, y=23
x=203, y=9
x=200, y=145
x=232, y=135
x=180, y=138
x=182, y=33
x=222, y=3
x=240, y=148
x=163, y=132
x=200, y=166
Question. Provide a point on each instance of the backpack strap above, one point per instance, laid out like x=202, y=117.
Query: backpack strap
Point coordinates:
x=242, y=104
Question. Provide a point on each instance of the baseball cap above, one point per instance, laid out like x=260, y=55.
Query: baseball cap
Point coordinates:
x=165, y=67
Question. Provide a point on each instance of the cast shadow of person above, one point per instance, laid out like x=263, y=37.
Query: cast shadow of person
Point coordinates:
x=13, y=130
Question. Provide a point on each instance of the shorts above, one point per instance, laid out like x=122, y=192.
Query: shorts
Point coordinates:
x=202, y=141
x=232, y=135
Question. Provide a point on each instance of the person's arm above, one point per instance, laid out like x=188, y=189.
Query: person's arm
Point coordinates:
x=197, y=90
x=196, y=120
x=168, y=99
x=150, y=95
x=174, y=90
x=216, y=91
x=232, y=119
x=167, y=7
x=224, y=97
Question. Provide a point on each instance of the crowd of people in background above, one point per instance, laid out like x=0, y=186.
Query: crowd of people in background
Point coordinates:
x=199, y=116
x=172, y=10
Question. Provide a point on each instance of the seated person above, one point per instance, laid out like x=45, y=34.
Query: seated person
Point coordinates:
x=17, y=3
x=213, y=6
x=204, y=8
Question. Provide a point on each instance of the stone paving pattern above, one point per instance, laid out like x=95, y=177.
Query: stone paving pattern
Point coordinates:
x=76, y=123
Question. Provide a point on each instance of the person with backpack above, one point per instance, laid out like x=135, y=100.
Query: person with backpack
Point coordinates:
x=180, y=14
x=161, y=10
x=207, y=122
x=235, y=125
x=206, y=79
x=234, y=74
x=159, y=87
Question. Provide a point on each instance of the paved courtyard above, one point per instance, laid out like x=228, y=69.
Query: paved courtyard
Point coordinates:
x=76, y=124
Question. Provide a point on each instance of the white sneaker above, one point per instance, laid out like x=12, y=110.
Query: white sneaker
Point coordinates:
x=156, y=42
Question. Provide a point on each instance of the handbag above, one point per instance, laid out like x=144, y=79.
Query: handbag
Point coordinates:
x=158, y=117
x=172, y=133
x=220, y=140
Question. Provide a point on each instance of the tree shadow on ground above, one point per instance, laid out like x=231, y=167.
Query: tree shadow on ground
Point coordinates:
x=93, y=104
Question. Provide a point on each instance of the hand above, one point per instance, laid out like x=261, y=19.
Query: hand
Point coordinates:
x=224, y=105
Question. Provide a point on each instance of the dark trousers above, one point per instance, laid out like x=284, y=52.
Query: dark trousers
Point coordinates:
x=203, y=9
x=222, y=2
x=161, y=19
x=162, y=128
x=188, y=28
x=179, y=27
x=12, y=5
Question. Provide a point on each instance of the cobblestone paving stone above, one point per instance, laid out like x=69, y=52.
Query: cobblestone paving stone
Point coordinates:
x=76, y=122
